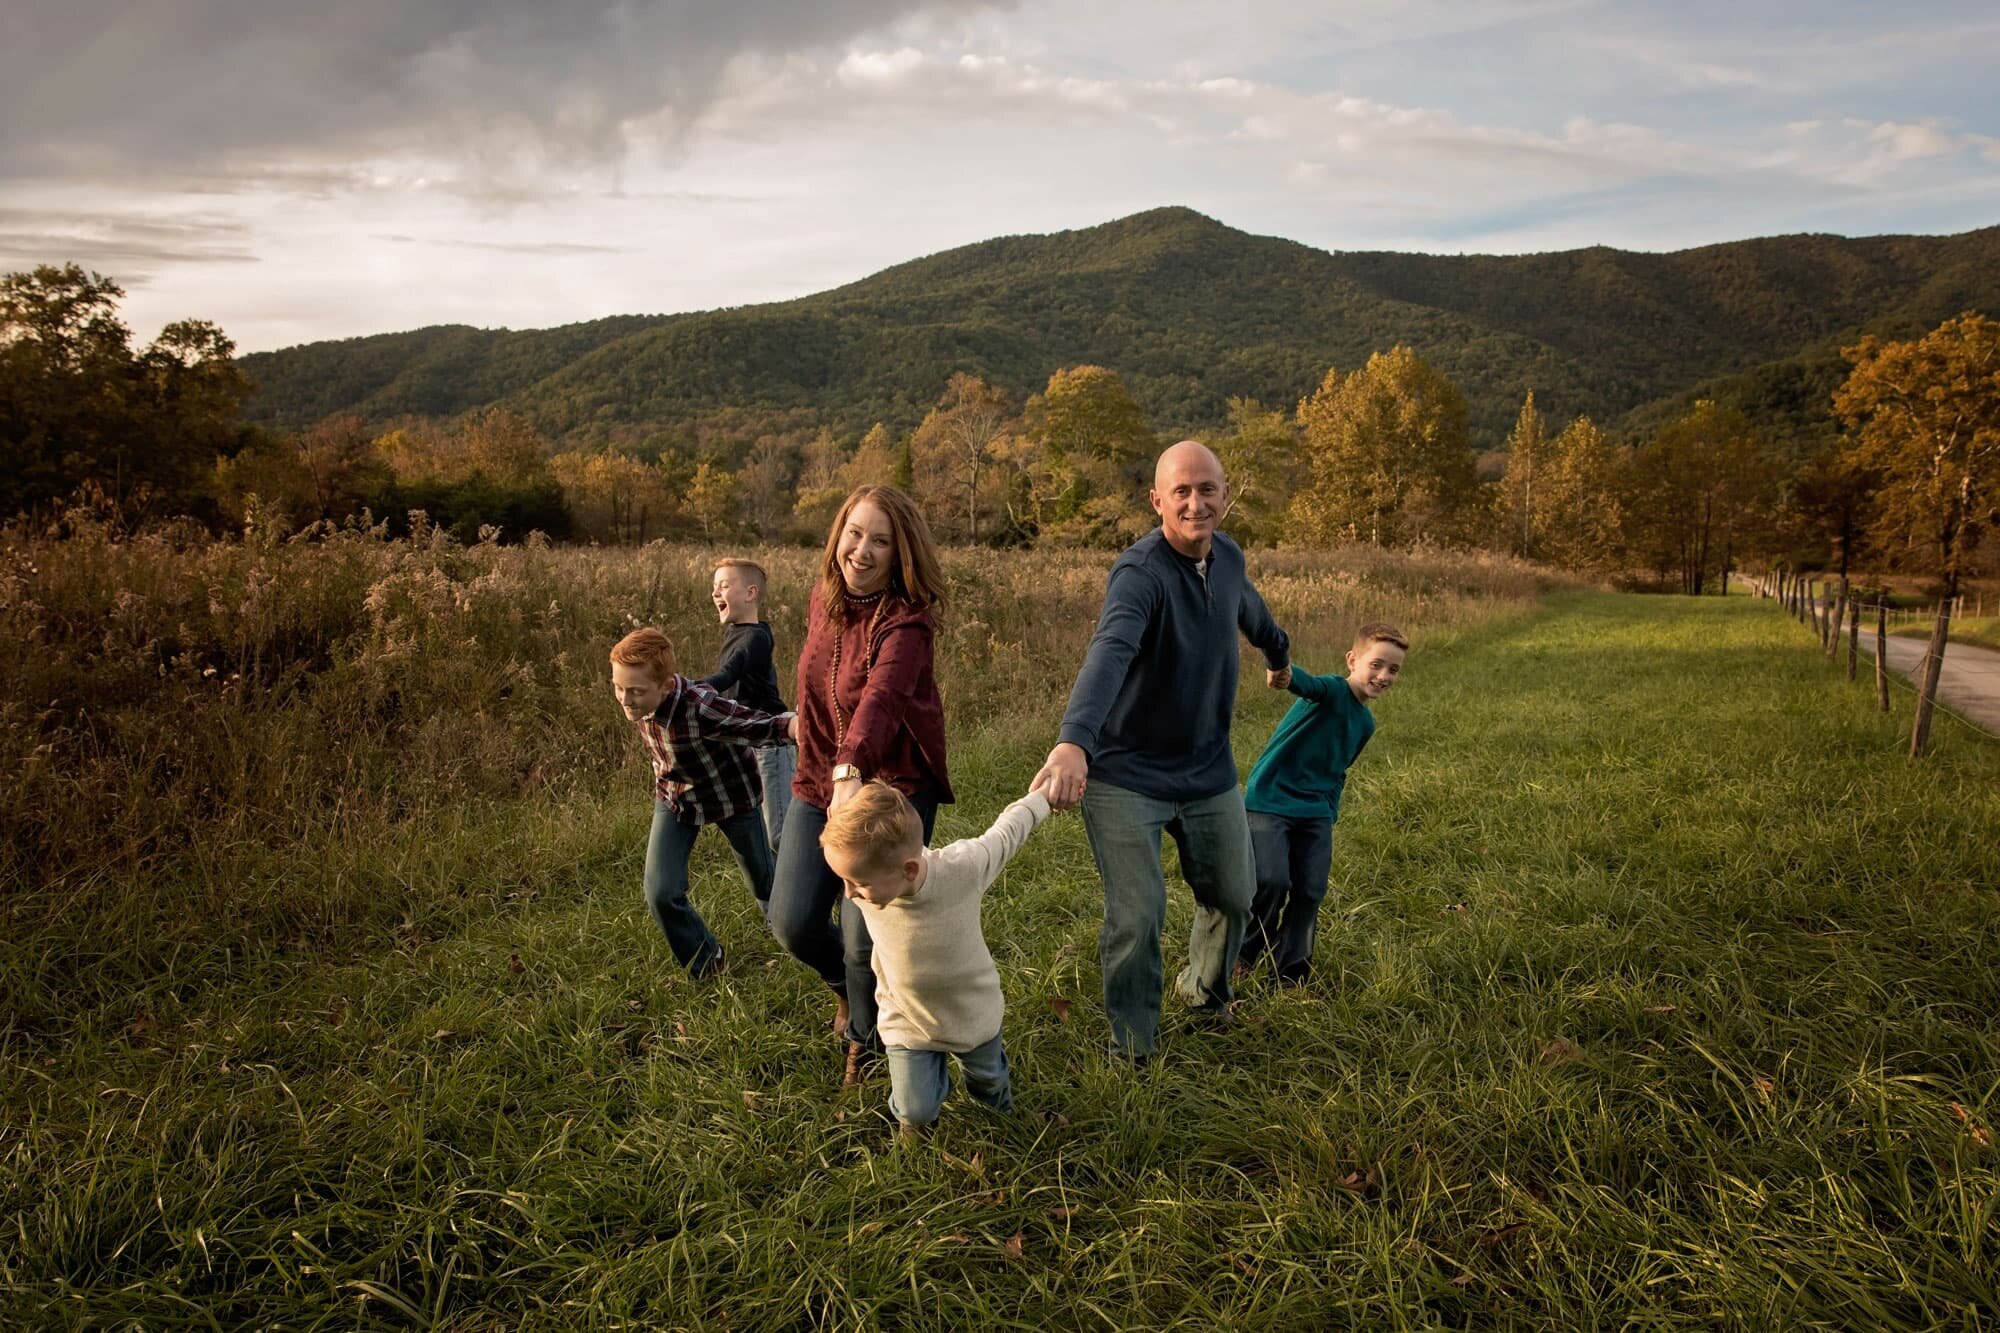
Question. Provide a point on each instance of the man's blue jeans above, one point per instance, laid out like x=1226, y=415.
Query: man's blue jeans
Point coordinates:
x=1294, y=857
x=919, y=1081
x=803, y=898
x=775, y=766
x=1124, y=828
x=666, y=882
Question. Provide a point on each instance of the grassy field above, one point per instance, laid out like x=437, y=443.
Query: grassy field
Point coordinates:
x=1981, y=631
x=1656, y=989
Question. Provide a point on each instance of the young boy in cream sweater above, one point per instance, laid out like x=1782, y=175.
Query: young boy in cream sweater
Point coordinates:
x=937, y=992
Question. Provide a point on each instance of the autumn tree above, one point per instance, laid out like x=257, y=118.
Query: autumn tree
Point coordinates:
x=710, y=499
x=1386, y=457
x=952, y=454
x=1259, y=453
x=1926, y=416
x=1832, y=505
x=819, y=488
x=1093, y=447
x=613, y=496
x=1577, y=512
x=874, y=461
x=1522, y=484
x=764, y=490
x=1695, y=491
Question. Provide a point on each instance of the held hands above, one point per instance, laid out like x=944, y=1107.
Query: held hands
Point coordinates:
x=843, y=792
x=1061, y=779
x=1279, y=680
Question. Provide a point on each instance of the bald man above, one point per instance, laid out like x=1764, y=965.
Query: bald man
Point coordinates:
x=1145, y=747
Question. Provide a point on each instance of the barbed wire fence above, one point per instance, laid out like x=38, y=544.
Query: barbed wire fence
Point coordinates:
x=1835, y=612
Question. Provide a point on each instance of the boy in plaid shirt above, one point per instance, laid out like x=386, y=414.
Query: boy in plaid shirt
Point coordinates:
x=703, y=774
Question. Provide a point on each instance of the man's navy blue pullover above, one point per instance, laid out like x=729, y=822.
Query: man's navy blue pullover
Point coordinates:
x=1151, y=706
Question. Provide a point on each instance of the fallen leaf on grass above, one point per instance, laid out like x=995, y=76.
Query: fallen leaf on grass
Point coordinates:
x=442, y=1033
x=1243, y=1266
x=635, y=1005
x=515, y=965
x=1359, y=1181
x=1458, y=907
x=1978, y=1131
x=1561, y=1051
x=993, y=1199
x=1015, y=1248
x=750, y=1099
x=1660, y=1008
x=1061, y=1005
x=1462, y=1280
x=1764, y=1087
x=1064, y=1213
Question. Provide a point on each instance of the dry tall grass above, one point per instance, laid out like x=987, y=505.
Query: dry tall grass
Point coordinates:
x=179, y=711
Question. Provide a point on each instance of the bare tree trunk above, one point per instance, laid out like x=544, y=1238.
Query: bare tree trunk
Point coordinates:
x=1920, y=733
x=1834, y=622
x=1882, y=655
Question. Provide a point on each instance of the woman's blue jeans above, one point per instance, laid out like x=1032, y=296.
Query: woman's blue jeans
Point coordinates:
x=803, y=898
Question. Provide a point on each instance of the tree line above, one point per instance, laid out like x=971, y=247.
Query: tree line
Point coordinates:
x=1378, y=454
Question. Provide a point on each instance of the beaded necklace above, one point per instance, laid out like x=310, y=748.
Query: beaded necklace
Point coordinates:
x=881, y=600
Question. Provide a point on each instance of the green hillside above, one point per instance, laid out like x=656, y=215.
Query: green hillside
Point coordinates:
x=1190, y=312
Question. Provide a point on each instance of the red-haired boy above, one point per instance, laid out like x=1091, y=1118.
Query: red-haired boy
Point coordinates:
x=703, y=773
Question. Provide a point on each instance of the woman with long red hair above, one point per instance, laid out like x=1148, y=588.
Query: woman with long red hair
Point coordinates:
x=868, y=707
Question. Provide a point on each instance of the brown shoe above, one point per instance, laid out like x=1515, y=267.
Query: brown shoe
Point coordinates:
x=860, y=1064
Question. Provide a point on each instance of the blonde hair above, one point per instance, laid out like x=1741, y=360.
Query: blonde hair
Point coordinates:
x=916, y=576
x=749, y=567
x=1376, y=631
x=877, y=824
x=647, y=648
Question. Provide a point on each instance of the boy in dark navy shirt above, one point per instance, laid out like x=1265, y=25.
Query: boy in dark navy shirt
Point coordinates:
x=747, y=674
x=1293, y=796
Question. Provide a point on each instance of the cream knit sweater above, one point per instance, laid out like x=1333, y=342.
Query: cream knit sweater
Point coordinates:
x=936, y=988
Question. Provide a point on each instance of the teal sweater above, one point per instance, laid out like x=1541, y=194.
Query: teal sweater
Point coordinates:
x=1304, y=764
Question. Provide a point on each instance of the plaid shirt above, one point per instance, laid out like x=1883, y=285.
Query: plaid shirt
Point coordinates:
x=699, y=743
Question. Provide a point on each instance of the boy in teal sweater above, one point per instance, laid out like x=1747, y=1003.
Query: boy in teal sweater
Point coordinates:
x=1293, y=796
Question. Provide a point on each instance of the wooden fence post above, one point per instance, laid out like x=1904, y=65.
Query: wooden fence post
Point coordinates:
x=1882, y=657
x=1920, y=732
x=1834, y=623
x=1853, y=638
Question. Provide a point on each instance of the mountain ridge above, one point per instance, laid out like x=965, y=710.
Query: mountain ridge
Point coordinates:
x=1190, y=312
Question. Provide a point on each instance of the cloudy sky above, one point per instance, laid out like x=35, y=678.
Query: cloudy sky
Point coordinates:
x=300, y=172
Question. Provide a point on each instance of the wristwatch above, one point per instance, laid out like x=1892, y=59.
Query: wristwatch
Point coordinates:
x=842, y=772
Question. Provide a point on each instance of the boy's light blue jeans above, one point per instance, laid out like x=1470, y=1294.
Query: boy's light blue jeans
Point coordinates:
x=1213, y=836
x=919, y=1081
x=775, y=766
x=666, y=882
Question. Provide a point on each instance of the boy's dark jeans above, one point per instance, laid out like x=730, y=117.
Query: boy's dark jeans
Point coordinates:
x=666, y=883
x=1294, y=857
x=802, y=902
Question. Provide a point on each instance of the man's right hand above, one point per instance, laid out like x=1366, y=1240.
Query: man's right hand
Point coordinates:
x=1065, y=771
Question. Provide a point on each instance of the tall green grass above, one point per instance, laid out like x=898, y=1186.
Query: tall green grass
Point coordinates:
x=1655, y=990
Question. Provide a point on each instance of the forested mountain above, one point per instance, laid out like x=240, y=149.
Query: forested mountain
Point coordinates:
x=1190, y=313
